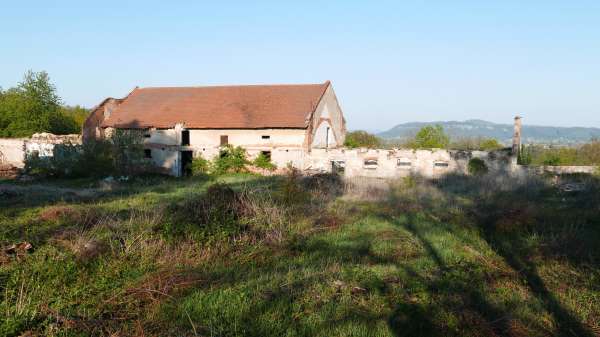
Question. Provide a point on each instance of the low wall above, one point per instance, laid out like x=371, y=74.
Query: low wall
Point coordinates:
x=563, y=169
x=13, y=151
x=379, y=163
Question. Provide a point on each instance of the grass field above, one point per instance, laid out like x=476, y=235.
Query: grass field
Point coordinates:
x=245, y=255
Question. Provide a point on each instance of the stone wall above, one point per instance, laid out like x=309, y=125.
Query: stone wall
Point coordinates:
x=14, y=151
x=401, y=162
x=563, y=169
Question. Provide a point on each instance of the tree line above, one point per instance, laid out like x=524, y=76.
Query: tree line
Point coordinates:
x=33, y=106
x=428, y=137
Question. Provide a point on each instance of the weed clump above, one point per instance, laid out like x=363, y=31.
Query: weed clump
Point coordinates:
x=477, y=167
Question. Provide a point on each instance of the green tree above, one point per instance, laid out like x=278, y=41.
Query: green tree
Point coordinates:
x=361, y=138
x=33, y=106
x=430, y=137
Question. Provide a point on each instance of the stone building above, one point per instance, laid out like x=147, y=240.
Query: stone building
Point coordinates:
x=284, y=122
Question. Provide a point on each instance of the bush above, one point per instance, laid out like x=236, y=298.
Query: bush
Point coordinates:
x=230, y=159
x=119, y=155
x=490, y=144
x=431, y=137
x=264, y=162
x=199, y=166
x=475, y=143
x=213, y=215
x=359, y=138
x=477, y=167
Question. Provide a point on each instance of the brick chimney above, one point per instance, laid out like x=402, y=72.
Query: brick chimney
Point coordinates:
x=516, y=146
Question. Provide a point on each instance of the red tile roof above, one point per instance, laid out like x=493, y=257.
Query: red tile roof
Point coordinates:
x=220, y=107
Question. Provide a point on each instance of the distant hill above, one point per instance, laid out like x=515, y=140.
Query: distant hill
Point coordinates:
x=501, y=132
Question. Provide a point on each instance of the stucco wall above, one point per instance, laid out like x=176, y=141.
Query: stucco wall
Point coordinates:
x=328, y=111
x=285, y=145
x=401, y=162
x=12, y=152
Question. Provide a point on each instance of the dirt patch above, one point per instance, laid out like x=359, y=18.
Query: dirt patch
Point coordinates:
x=55, y=213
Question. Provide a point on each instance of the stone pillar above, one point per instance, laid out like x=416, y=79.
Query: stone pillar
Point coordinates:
x=516, y=146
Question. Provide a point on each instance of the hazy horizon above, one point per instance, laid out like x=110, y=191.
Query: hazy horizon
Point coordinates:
x=389, y=62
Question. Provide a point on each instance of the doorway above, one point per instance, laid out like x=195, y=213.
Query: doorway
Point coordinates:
x=186, y=163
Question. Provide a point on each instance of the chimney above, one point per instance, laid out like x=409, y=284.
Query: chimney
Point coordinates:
x=516, y=146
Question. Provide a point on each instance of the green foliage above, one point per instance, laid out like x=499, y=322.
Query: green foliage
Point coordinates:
x=587, y=154
x=431, y=137
x=264, y=162
x=490, y=144
x=33, y=106
x=451, y=257
x=473, y=144
x=525, y=155
x=477, y=167
x=356, y=139
x=230, y=160
x=200, y=166
x=76, y=115
x=119, y=155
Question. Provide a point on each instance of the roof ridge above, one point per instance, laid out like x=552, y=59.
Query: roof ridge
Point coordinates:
x=326, y=83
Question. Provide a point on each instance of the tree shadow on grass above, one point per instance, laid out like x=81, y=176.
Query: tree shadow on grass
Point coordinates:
x=487, y=215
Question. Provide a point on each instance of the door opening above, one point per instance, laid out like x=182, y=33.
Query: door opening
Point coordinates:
x=186, y=163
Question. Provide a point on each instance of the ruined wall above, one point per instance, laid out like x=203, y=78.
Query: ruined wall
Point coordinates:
x=563, y=169
x=401, y=162
x=14, y=151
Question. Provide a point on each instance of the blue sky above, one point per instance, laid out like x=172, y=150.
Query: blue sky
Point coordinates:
x=390, y=61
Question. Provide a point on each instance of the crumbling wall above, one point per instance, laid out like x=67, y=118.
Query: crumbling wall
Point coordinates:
x=13, y=151
x=43, y=143
x=379, y=163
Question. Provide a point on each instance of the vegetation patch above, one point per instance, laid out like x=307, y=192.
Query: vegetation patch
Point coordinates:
x=243, y=255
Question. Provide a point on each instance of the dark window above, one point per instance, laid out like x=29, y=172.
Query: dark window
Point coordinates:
x=147, y=153
x=338, y=166
x=146, y=135
x=266, y=137
x=440, y=164
x=266, y=154
x=185, y=137
x=224, y=140
x=404, y=163
x=370, y=163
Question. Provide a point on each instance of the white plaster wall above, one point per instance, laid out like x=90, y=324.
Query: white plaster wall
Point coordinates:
x=12, y=151
x=324, y=134
x=330, y=110
x=249, y=138
x=422, y=162
x=286, y=145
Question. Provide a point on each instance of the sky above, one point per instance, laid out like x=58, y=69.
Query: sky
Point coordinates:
x=390, y=62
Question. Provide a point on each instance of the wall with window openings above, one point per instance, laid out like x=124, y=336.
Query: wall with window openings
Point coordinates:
x=401, y=162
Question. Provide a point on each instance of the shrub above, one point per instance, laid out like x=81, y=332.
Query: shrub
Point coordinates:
x=199, y=166
x=119, y=155
x=490, y=144
x=431, y=137
x=264, y=162
x=359, y=138
x=213, y=215
x=230, y=159
x=477, y=167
